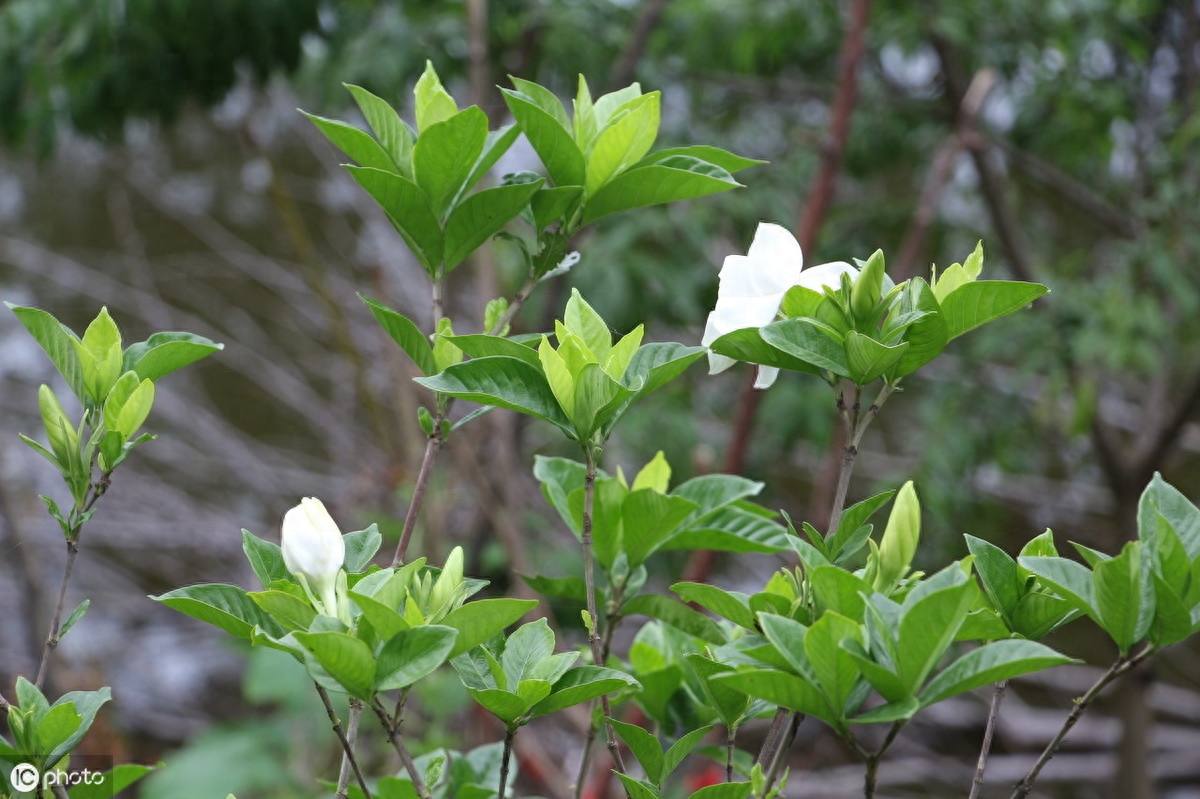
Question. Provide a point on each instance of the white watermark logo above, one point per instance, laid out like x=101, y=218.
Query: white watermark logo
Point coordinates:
x=24, y=777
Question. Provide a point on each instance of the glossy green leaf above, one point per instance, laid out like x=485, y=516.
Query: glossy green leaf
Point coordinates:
x=553, y=143
x=224, y=606
x=409, y=210
x=529, y=645
x=345, y=658
x=724, y=790
x=731, y=529
x=728, y=161
x=982, y=301
x=501, y=381
x=361, y=546
x=783, y=689
x=1070, y=580
x=478, y=345
x=1176, y=509
x=990, y=663
x=478, y=621
x=434, y=103
x=164, y=353
x=394, y=135
x=809, y=341
x=56, y=340
x=867, y=359
x=676, y=178
x=927, y=629
x=481, y=216
x=1172, y=621
x=998, y=573
x=676, y=614
x=504, y=705
x=292, y=613
x=638, y=789
x=110, y=783
x=405, y=333
x=445, y=154
x=839, y=591
x=622, y=143
x=726, y=604
x=1125, y=597
x=927, y=336
x=553, y=204
x=354, y=142
x=495, y=145
x=749, y=346
x=897, y=710
x=413, y=654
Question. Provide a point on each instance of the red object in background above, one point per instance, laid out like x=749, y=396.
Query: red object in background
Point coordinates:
x=712, y=774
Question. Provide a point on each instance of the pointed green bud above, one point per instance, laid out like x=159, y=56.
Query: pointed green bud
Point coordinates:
x=492, y=315
x=444, y=352
x=63, y=438
x=448, y=590
x=656, y=474
x=434, y=103
x=867, y=288
x=100, y=356
x=899, y=542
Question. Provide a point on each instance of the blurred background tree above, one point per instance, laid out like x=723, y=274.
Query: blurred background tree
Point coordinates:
x=155, y=164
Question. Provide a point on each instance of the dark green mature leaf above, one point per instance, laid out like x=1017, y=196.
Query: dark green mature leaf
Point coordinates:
x=394, y=135
x=1176, y=509
x=164, y=353
x=1070, y=580
x=731, y=529
x=974, y=304
x=809, y=341
x=748, y=345
x=711, y=491
x=482, y=215
x=679, y=177
x=405, y=333
x=1172, y=621
x=265, y=558
x=478, y=621
x=638, y=789
x=927, y=336
x=413, y=654
x=867, y=359
x=345, y=658
x=409, y=211
x=779, y=687
x=224, y=606
x=582, y=684
x=999, y=660
x=445, y=155
x=553, y=204
x=504, y=382
x=726, y=604
x=1002, y=582
x=652, y=367
x=56, y=340
x=728, y=161
x=553, y=143
x=479, y=345
x=676, y=614
x=724, y=790
x=681, y=749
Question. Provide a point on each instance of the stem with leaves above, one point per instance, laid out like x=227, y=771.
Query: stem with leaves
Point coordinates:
x=346, y=738
x=872, y=758
x=1121, y=666
x=433, y=445
x=988, y=730
x=392, y=730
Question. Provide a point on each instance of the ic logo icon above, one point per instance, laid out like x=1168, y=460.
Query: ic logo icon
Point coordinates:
x=23, y=777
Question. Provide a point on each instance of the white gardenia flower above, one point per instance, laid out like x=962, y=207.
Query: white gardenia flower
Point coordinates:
x=313, y=550
x=752, y=287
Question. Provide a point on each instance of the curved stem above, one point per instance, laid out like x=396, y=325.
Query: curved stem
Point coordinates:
x=432, y=446
x=1120, y=667
x=347, y=741
x=988, y=730
x=56, y=622
x=396, y=740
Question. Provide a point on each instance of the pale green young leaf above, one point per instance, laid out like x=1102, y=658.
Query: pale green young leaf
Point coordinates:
x=555, y=146
x=445, y=154
x=357, y=144
x=650, y=518
x=973, y=265
x=133, y=411
x=624, y=142
x=1172, y=621
x=558, y=377
x=290, y=611
x=928, y=335
x=504, y=705
x=394, y=135
x=410, y=213
x=655, y=475
x=585, y=115
x=434, y=103
x=166, y=352
x=597, y=398
x=618, y=358
x=525, y=648
x=982, y=301
x=56, y=340
x=608, y=106
x=544, y=99
x=835, y=671
x=384, y=618
x=582, y=320
x=726, y=160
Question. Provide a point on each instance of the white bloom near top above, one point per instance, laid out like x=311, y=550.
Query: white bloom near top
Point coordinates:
x=313, y=547
x=752, y=287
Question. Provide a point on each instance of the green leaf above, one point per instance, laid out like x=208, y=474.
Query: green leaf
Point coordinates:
x=622, y=144
x=356, y=143
x=383, y=617
x=504, y=382
x=495, y=145
x=991, y=663
x=651, y=367
x=644, y=746
x=899, y=710
x=974, y=304
x=676, y=178
x=748, y=345
x=927, y=336
x=1125, y=597
x=649, y=518
x=544, y=99
x=582, y=320
x=361, y=546
x=809, y=341
x=224, y=606
x=164, y=353
x=478, y=621
x=110, y=783
x=292, y=613
x=504, y=705
x=783, y=689
x=413, y=654
x=927, y=628
x=867, y=359
x=72, y=617
x=726, y=604
x=839, y=591
x=1002, y=582
x=638, y=789
x=676, y=614
x=569, y=588
x=525, y=648
x=395, y=137
x=56, y=726
x=83, y=704
x=345, y=658
x=582, y=684
x=480, y=345
x=555, y=204
x=480, y=216
x=681, y=749
x=1070, y=580
x=409, y=211
x=1176, y=509
x=559, y=478
x=835, y=671
x=57, y=341
x=434, y=103
x=702, y=152
x=404, y=332
x=724, y=790
x=729, y=704
x=265, y=558
x=1172, y=621
x=553, y=143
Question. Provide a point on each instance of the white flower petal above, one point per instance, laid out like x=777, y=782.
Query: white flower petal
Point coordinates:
x=830, y=274
x=775, y=244
x=718, y=363
x=766, y=376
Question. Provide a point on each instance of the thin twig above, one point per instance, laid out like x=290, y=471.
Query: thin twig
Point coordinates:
x=346, y=740
x=988, y=730
x=432, y=445
x=395, y=739
x=872, y=758
x=730, y=740
x=781, y=755
x=1120, y=666
x=509, y=734
x=348, y=760
x=56, y=622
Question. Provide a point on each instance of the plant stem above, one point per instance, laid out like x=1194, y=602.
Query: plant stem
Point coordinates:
x=766, y=755
x=730, y=736
x=347, y=741
x=1120, y=667
x=394, y=737
x=509, y=734
x=781, y=752
x=872, y=758
x=513, y=306
x=432, y=446
x=988, y=730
